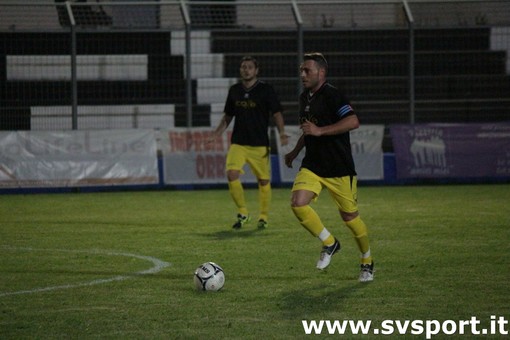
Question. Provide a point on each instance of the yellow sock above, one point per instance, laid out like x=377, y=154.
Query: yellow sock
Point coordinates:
x=360, y=232
x=264, y=200
x=312, y=222
x=237, y=192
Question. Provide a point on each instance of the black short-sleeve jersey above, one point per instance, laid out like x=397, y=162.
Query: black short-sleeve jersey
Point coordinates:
x=327, y=156
x=252, y=109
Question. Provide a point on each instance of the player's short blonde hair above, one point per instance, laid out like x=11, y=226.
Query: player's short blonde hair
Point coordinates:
x=318, y=58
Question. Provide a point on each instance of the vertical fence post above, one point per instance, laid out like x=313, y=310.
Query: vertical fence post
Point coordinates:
x=300, y=40
x=74, y=77
x=410, y=21
x=189, y=93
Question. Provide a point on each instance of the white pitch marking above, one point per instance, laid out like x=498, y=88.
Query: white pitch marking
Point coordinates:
x=158, y=266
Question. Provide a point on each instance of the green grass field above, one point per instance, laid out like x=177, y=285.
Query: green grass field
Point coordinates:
x=93, y=265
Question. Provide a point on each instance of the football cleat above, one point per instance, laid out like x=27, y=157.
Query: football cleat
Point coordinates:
x=326, y=254
x=367, y=272
x=262, y=224
x=241, y=220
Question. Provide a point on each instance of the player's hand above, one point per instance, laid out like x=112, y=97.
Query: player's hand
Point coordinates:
x=310, y=129
x=211, y=138
x=289, y=158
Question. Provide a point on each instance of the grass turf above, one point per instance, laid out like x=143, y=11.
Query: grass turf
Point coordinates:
x=441, y=252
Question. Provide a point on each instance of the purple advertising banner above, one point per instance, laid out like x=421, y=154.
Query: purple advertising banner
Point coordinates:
x=452, y=150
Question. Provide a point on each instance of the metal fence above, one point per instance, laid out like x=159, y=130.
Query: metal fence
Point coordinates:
x=134, y=64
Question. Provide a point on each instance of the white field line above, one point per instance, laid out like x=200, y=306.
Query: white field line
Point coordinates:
x=158, y=265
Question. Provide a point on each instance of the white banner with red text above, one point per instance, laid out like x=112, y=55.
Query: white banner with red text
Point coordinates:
x=188, y=157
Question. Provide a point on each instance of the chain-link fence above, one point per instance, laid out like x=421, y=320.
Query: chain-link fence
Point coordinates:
x=128, y=64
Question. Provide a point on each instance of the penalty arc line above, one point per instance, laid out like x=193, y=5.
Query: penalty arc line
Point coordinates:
x=158, y=266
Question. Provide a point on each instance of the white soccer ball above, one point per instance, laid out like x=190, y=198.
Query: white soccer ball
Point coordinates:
x=209, y=277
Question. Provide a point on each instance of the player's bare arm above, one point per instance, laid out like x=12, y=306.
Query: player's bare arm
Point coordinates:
x=347, y=124
x=278, y=120
x=289, y=158
x=222, y=126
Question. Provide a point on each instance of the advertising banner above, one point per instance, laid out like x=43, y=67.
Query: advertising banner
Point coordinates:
x=188, y=157
x=77, y=158
x=452, y=150
x=366, y=144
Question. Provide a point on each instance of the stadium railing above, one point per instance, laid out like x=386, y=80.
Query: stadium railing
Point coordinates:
x=113, y=64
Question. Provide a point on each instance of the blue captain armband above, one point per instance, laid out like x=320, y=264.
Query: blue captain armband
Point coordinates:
x=344, y=110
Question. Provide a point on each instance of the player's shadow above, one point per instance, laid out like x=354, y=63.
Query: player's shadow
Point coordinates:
x=233, y=234
x=315, y=299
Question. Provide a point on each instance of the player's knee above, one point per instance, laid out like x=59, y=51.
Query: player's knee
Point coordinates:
x=233, y=175
x=263, y=182
x=348, y=216
x=301, y=198
x=297, y=202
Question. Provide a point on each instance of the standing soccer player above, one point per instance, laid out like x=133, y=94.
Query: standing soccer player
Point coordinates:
x=326, y=118
x=251, y=102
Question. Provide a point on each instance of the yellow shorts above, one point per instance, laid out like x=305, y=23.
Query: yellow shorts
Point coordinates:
x=257, y=158
x=343, y=190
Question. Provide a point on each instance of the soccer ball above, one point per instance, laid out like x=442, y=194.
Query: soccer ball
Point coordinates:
x=209, y=277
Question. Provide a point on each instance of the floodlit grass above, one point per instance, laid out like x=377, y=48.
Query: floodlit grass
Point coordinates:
x=441, y=252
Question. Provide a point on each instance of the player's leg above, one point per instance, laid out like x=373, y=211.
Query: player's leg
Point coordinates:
x=344, y=193
x=264, y=202
x=235, y=162
x=306, y=188
x=259, y=160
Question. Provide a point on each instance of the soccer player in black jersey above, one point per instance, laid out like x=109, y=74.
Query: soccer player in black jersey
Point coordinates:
x=326, y=117
x=251, y=102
